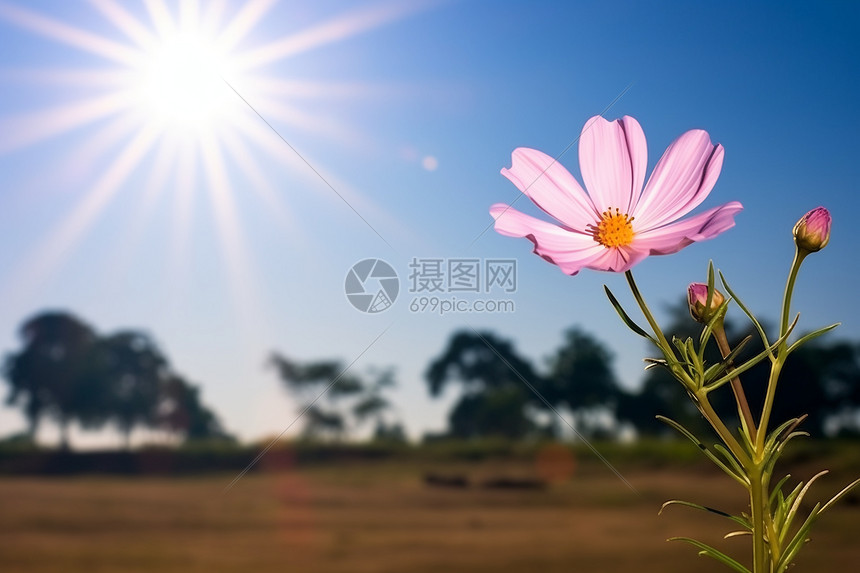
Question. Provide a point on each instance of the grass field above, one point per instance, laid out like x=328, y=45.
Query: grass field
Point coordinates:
x=381, y=516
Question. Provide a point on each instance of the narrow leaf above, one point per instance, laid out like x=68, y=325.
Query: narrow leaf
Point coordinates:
x=686, y=433
x=713, y=553
x=747, y=312
x=841, y=494
x=815, y=334
x=625, y=317
x=739, y=520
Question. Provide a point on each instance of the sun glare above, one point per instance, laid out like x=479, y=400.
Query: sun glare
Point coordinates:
x=182, y=81
x=155, y=95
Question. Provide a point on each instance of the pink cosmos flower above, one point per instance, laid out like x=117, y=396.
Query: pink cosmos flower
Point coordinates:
x=617, y=223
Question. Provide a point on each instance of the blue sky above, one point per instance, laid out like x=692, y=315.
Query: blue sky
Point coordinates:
x=223, y=244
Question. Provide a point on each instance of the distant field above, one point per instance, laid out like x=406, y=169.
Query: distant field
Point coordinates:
x=381, y=516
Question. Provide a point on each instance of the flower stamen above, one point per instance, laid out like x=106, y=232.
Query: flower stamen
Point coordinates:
x=614, y=229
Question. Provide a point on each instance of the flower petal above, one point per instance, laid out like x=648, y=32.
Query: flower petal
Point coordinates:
x=682, y=179
x=546, y=182
x=570, y=250
x=675, y=236
x=613, y=157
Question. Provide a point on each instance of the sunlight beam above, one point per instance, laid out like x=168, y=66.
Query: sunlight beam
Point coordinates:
x=46, y=257
x=330, y=32
x=243, y=22
x=26, y=129
x=70, y=35
x=124, y=21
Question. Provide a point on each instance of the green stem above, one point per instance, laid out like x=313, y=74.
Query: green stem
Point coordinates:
x=776, y=366
x=720, y=428
x=758, y=517
x=664, y=344
x=701, y=397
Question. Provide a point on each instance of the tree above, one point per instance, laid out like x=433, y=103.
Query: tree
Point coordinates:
x=495, y=397
x=351, y=400
x=581, y=378
x=133, y=372
x=53, y=373
x=181, y=411
x=65, y=370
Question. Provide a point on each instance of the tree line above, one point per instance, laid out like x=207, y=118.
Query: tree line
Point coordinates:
x=67, y=372
x=503, y=393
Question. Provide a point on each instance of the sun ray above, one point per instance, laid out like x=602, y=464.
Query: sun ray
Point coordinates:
x=329, y=32
x=241, y=273
x=189, y=15
x=70, y=35
x=54, y=248
x=26, y=129
x=80, y=78
x=126, y=22
x=314, y=89
x=211, y=18
x=279, y=111
x=86, y=157
x=160, y=17
x=182, y=221
x=243, y=22
x=118, y=261
x=260, y=185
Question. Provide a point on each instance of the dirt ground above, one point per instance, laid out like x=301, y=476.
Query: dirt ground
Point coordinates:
x=380, y=517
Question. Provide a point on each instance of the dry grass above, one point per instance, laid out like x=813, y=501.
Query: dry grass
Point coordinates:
x=380, y=517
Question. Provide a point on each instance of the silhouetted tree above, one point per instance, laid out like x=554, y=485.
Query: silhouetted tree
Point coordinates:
x=53, y=373
x=581, y=378
x=68, y=372
x=350, y=400
x=495, y=397
x=182, y=412
x=134, y=372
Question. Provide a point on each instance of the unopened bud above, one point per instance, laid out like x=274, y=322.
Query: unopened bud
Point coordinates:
x=812, y=232
x=697, y=298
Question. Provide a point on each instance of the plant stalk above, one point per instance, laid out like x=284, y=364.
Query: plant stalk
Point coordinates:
x=737, y=388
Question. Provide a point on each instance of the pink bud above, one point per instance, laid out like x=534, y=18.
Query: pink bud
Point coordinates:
x=812, y=232
x=697, y=298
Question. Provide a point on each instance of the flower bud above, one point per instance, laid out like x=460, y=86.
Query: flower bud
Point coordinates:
x=812, y=232
x=697, y=298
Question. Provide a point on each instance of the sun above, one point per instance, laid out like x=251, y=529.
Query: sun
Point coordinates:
x=178, y=91
x=181, y=81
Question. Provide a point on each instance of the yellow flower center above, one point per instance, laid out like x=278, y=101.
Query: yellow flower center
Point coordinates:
x=614, y=229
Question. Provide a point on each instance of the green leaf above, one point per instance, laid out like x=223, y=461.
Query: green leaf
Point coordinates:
x=740, y=478
x=739, y=520
x=625, y=317
x=806, y=338
x=751, y=362
x=736, y=534
x=713, y=553
x=841, y=494
x=777, y=489
x=792, y=513
x=802, y=536
x=747, y=312
x=732, y=461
